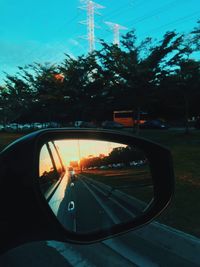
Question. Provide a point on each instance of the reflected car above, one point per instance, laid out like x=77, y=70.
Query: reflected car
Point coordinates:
x=71, y=173
x=103, y=168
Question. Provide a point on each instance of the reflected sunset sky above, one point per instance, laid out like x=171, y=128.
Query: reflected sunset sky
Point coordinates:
x=74, y=150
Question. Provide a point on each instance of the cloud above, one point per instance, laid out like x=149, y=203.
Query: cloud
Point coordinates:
x=20, y=54
x=77, y=44
x=74, y=42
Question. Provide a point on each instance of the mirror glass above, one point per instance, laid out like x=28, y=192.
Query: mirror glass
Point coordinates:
x=92, y=185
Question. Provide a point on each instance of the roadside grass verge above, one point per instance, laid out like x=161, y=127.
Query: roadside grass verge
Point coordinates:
x=7, y=138
x=184, y=212
x=135, y=182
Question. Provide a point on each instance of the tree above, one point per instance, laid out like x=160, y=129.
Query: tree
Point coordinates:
x=47, y=101
x=194, y=38
x=82, y=86
x=188, y=80
x=16, y=98
x=136, y=70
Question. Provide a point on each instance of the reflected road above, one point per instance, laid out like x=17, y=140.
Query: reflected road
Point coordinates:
x=84, y=205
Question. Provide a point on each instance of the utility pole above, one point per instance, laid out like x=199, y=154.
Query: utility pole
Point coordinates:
x=116, y=30
x=91, y=8
x=79, y=155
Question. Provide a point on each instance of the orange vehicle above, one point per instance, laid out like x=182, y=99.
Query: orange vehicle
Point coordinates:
x=129, y=118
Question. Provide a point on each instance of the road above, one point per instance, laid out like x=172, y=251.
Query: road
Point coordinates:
x=84, y=205
x=128, y=250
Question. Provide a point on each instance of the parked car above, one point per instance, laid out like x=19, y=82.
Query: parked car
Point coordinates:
x=154, y=124
x=12, y=127
x=37, y=125
x=197, y=124
x=86, y=124
x=112, y=125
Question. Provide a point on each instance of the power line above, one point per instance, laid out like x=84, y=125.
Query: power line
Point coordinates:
x=122, y=8
x=153, y=13
x=177, y=21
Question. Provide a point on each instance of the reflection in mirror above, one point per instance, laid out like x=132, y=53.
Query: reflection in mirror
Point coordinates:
x=92, y=185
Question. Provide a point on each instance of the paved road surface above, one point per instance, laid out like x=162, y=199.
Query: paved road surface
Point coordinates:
x=128, y=250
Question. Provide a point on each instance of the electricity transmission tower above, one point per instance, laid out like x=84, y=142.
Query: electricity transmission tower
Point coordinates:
x=91, y=8
x=116, y=30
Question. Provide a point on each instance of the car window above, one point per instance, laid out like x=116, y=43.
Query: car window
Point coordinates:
x=48, y=174
x=56, y=157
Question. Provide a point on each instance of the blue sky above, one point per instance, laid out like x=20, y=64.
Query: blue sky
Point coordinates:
x=43, y=30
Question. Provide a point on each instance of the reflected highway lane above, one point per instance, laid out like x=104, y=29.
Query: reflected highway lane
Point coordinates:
x=84, y=205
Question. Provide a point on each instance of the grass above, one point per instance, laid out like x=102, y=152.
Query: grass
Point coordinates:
x=184, y=212
x=136, y=182
x=7, y=138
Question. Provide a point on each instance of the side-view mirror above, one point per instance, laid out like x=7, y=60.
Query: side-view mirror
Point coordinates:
x=80, y=185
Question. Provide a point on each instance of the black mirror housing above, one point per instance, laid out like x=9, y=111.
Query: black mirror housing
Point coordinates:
x=25, y=215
